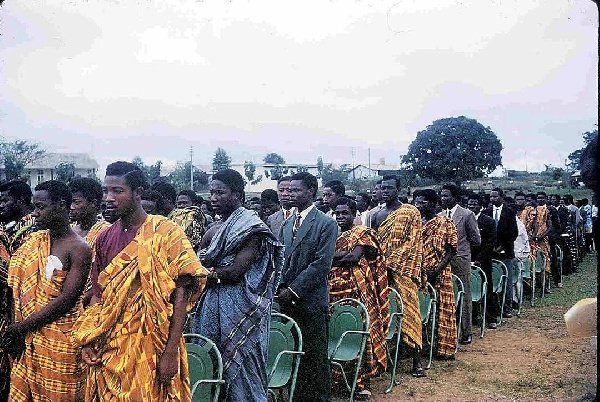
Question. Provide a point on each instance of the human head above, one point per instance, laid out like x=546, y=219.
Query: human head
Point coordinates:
x=541, y=198
x=269, y=202
x=345, y=212
x=475, y=203
x=52, y=202
x=332, y=191
x=303, y=188
x=169, y=195
x=568, y=199
x=15, y=200
x=362, y=202
x=152, y=202
x=254, y=204
x=226, y=192
x=426, y=201
x=87, y=198
x=389, y=189
x=449, y=195
x=376, y=197
x=520, y=200
x=283, y=191
x=497, y=196
x=123, y=187
x=186, y=199
x=530, y=200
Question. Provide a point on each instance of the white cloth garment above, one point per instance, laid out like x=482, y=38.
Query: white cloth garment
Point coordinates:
x=53, y=263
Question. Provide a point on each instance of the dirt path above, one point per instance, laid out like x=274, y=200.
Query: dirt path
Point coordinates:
x=530, y=357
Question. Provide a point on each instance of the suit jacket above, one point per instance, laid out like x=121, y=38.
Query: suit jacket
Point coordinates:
x=506, y=231
x=487, y=230
x=308, y=259
x=467, y=229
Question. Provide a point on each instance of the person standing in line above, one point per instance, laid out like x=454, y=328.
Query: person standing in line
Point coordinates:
x=275, y=220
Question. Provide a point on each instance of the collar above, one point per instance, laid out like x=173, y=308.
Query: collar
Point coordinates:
x=304, y=213
x=498, y=208
x=453, y=210
x=477, y=216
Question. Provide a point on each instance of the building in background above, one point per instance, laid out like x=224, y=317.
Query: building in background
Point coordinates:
x=52, y=165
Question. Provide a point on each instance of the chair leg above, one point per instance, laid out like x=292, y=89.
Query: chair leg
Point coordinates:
x=394, y=363
x=432, y=337
x=483, y=313
x=459, y=324
x=358, y=364
x=533, y=288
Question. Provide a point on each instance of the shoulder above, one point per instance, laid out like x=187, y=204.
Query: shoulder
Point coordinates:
x=77, y=244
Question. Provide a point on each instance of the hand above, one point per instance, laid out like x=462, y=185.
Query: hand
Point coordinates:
x=432, y=276
x=212, y=279
x=90, y=356
x=168, y=366
x=286, y=297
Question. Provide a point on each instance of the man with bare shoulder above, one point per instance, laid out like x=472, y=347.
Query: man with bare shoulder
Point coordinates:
x=389, y=195
x=47, y=275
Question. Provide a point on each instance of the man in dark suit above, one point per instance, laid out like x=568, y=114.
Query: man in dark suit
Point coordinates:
x=507, y=231
x=274, y=221
x=481, y=255
x=309, y=238
x=468, y=236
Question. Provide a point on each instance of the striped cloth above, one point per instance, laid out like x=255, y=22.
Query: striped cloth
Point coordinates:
x=542, y=226
x=400, y=236
x=192, y=221
x=91, y=238
x=367, y=282
x=130, y=324
x=50, y=367
x=437, y=233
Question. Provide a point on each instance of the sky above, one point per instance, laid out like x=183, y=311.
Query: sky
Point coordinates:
x=121, y=78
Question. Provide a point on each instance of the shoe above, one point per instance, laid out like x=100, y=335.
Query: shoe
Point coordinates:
x=418, y=372
x=507, y=314
x=466, y=340
x=548, y=291
x=559, y=285
x=492, y=325
x=363, y=395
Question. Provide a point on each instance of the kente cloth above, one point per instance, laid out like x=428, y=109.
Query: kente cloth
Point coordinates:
x=400, y=237
x=192, y=221
x=236, y=317
x=129, y=326
x=437, y=233
x=50, y=368
x=91, y=238
x=542, y=218
x=366, y=281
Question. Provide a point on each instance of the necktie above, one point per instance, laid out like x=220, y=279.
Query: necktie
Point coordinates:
x=297, y=224
x=496, y=215
x=449, y=214
x=288, y=213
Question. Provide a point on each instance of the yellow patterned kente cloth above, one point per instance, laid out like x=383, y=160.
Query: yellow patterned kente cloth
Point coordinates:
x=541, y=227
x=192, y=221
x=437, y=233
x=367, y=282
x=400, y=237
x=129, y=326
x=90, y=238
x=50, y=369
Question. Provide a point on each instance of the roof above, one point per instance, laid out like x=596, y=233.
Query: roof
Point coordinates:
x=51, y=160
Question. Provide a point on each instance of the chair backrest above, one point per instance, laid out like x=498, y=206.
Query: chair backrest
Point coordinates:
x=526, y=267
x=559, y=253
x=478, y=283
x=458, y=287
x=396, y=312
x=426, y=301
x=499, y=275
x=347, y=315
x=275, y=308
x=540, y=261
x=205, y=363
x=284, y=335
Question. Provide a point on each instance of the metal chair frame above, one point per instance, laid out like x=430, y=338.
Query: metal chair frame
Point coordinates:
x=394, y=329
x=429, y=318
x=459, y=296
x=215, y=382
x=502, y=284
x=475, y=270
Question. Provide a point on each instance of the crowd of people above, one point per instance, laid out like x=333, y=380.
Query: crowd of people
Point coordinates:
x=97, y=280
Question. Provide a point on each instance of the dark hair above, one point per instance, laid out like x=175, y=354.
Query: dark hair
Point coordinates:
x=233, y=180
x=284, y=178
x=191, y=194
x=476, y=197
x=154, y=196
x=530, y=195
x=396, y=180
x=167, y=190
x=453, y=188
x=18, y=190
x=57, y=190
x=569, y=197
x=364, y=195
x=307, y=179
x=584, y=201
x=519, y=193
x=430, y=195
x=134, y=177
x=336, y=186
x=541, y=193
x=269, y=195
x=90, y=189
x=345, y=201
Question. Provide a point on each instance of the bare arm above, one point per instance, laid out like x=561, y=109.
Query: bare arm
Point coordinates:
x=234, y=273
x=351, y=258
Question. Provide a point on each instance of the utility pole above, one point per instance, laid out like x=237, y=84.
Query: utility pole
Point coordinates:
x=353, y=172
x=191, y=168
x=369, y=149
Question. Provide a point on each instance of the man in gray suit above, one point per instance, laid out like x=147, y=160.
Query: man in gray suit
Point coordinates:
x=274, y=221
x=468, y=235
x=309, y=238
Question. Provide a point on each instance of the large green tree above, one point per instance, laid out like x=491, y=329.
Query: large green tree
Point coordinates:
x=64, y=171
x=221, y=160
x=278, y=170
x=575, y=156
x=152, y=171
x=180, y=177
x=454, y=149
x=16, y=155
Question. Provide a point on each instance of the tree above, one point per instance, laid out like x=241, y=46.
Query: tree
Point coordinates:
x=64, y=171
x=221, y=160
x=320, y=165
x=16, y=155
x=575, y=156
x=330, y=173
x=278, y=170
x=274, y=159
x=454, y=149
x=249, y=170
x=180, y=177
x=152, y=171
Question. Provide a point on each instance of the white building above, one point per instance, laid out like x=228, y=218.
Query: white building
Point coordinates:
x=263, y=174
x=44, y=169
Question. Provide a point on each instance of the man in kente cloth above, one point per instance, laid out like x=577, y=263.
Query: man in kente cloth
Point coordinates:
x=400, y=233
x=440, y=241
x=189, y=217
x=245, y=261
x=145, y=276
x=47, y=275
x=358, y=271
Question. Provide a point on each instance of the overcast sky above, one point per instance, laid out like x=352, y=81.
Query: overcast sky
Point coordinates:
x=304, y=78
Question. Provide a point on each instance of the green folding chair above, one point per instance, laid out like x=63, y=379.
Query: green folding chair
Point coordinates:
x=285, y=350
x=394, y=330
x=479, y=293
x=519, y=287
x=428, y=306
x=459, y=295
x=529, y=274
x=499, y=282
x=540, y=264
x=275, y=308
x=348, y=333
x=559, y=260
x=205, y=367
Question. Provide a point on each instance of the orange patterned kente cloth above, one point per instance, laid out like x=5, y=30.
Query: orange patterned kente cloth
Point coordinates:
x=367, y=282
x=50, y=369
x=129, y=326
x=400, y=237
x=90, y=238
x=541, y=223
x=437, y=233
x=192, y=221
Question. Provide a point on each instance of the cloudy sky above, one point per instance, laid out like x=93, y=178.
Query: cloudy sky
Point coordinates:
x=120, y=78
